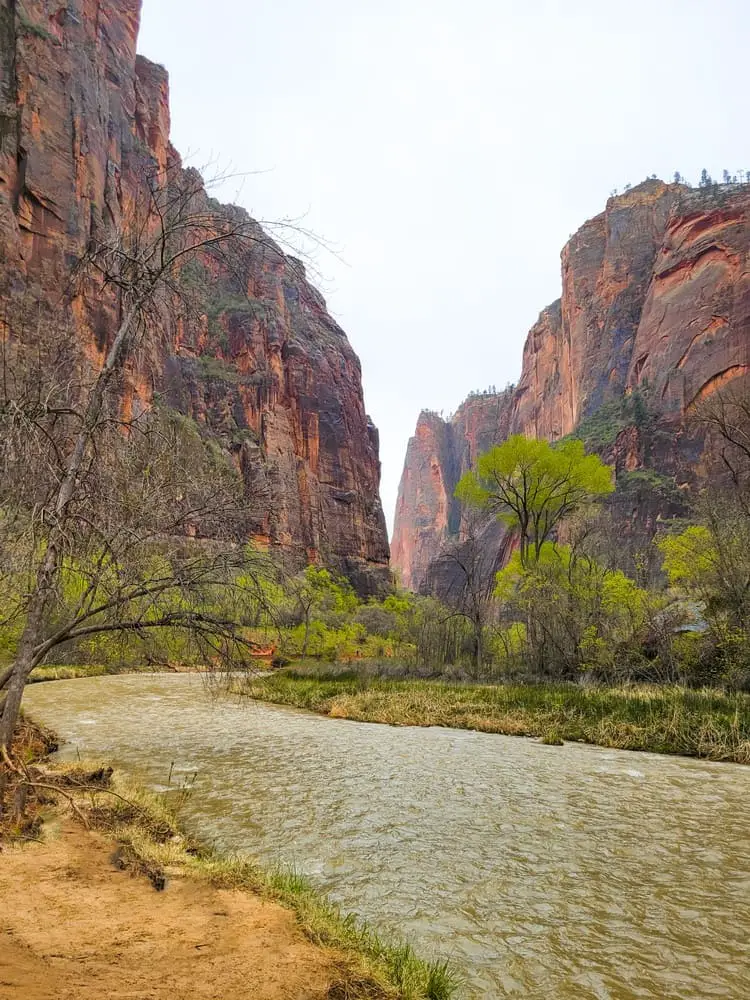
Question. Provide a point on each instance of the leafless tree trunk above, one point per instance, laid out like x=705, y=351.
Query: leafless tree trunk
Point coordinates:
x=37, y=606
x=139, y=265
x=471, y=565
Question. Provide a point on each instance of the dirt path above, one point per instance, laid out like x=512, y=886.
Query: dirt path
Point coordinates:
x=73, y=927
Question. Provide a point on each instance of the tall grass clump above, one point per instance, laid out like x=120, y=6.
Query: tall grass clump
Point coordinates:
x=662, y=719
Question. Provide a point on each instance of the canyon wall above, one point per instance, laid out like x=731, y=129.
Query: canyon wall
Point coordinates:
x=262, y=368
x=441, y=451
x=655, y=300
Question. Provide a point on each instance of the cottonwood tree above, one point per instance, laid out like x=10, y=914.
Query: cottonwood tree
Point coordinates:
x=575, y=612
x=102, y=518
x=711, y=559
x=533, y=486
x=316, y=596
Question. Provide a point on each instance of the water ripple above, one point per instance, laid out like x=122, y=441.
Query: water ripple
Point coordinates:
x=573, y=873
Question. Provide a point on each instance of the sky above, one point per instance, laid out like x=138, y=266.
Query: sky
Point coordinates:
x=446, y=151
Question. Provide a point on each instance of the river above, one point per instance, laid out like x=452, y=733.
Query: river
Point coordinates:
x=572, y=873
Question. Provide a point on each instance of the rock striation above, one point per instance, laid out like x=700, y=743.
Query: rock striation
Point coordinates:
x=262, y=368
x=655, y=303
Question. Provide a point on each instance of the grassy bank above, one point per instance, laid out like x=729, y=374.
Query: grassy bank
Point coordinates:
x=68, y=672
x=72, y=671
x=150, y=844
x=369, y=967
x=666, y=720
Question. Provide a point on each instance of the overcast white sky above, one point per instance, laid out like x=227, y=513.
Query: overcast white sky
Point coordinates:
x=448, y=149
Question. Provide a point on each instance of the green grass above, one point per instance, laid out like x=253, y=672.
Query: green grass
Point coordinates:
x=367, y=967
x=68, y=672
x=52, y=672
x=668, y=720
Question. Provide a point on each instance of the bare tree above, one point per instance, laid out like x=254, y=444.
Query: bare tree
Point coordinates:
x=726, y=415
x=91, y=503
x=466, y=570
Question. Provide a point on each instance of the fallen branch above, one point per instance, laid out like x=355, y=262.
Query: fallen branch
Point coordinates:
x=55, y=788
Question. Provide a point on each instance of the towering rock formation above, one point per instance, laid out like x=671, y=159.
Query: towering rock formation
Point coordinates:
x=441, y=451
x=262, y=369
x=656, y=298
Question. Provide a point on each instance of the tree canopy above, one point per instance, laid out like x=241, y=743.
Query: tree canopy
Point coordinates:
x=532, y=485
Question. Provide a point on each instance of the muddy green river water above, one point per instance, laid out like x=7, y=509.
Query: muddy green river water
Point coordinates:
x=544, y=873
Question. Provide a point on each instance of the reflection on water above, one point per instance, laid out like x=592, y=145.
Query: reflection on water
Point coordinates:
x=544, y=872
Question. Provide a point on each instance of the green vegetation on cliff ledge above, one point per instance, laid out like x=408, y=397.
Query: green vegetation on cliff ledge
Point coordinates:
x=668, y=720
x=599, y=430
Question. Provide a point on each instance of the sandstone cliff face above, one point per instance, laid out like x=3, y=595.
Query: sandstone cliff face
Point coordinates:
x=655, y=298
x=263, y=368
x=427, y=513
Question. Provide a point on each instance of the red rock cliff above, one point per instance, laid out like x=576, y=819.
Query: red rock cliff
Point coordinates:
x=265, y=370
x=656, y=297
x=441, y=451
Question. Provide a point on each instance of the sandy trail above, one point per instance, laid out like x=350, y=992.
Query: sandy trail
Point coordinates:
x=73, y=927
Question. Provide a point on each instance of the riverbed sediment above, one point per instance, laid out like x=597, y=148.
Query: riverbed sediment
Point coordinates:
x=71, y=928
x=74, y=925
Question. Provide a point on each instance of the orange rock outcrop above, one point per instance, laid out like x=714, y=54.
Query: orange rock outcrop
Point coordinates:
x=266, y=371
x=655, y=298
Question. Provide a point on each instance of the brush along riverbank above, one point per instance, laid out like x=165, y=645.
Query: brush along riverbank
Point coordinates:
x=667, y=720
x=81, y=917
x=74, y=671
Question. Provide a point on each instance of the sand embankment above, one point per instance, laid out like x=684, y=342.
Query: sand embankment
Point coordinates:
x=74, y=927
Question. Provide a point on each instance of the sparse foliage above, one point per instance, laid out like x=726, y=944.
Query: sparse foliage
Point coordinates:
x=84, y=538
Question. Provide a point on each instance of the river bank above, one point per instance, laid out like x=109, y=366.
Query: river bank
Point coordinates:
x=73, y=926
x=75, y=671
x=80, y=917
x=539, y=871
x=667, y=720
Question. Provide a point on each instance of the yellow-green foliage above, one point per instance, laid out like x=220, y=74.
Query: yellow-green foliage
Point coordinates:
x=532, y=485
x=582, y=578
x=327, y=620
x=690, y=558
x=574, y=613
x=10, y=633
x=711, y=560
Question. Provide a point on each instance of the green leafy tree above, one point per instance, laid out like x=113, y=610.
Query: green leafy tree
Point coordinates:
x=712, y=562
x=532, y=486
x=320, y=598
x=574, y=613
